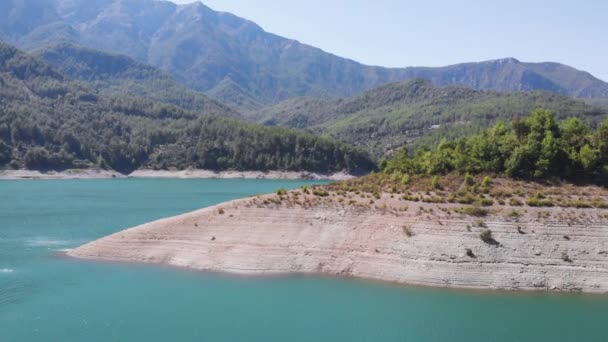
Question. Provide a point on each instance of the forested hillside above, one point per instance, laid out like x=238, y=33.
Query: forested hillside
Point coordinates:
x=387, y=117
x=48, y=121
x=119, y=75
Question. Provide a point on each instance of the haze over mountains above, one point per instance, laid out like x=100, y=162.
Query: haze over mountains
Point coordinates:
x=238, y=63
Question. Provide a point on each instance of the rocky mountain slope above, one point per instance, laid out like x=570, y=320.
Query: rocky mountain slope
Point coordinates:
x=239, y=63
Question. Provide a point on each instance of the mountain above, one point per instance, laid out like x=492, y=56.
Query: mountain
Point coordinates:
x=112, y=74
x=509, y=74
x=392, y=115
x=240, y=64
x=51, y=122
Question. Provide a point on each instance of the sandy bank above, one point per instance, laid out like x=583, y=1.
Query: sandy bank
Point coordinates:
x=393, y=240
x=295, y=175
x=67, y=174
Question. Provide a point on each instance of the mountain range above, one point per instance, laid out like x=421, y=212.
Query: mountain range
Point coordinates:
x=236, y=62
x=417, y=112
x=152, y=84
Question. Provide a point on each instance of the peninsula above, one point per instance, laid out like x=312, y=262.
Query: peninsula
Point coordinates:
x=383, y=236
x=518, y=207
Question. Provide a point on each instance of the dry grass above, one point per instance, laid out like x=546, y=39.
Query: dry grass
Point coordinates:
x=482, y=190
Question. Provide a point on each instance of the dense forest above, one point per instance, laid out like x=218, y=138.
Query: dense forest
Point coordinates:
x=538, y=147
x=118, y=75
x=417, y=112
x=50, y=122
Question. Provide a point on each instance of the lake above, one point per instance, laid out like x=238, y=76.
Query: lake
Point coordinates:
x=47, y=297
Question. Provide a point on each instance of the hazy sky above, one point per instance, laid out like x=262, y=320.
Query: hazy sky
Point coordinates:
x=401, y=33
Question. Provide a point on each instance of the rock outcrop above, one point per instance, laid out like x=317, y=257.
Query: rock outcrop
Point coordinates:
x=415, y=243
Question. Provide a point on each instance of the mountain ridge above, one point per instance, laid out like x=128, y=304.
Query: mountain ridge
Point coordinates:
x=387, y=117
x=203, y=49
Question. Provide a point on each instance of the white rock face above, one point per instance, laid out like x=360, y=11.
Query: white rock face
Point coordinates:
x=251, y=238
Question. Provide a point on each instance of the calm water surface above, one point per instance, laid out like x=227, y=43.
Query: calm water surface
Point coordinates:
x=44, y=297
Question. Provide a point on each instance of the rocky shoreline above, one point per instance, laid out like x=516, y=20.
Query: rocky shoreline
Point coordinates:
x=67, y=174
x=548, y=249
x=181, y=174
x=208, y=174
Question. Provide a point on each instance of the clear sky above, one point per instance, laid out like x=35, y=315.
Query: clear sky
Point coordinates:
x=398, y=33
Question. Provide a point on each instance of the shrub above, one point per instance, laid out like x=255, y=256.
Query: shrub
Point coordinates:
x=487, y=182
x=474, y=211
x=468, y=180
x=435, y=183
x=320, y=192
x=470, y=253
x=486, y=236
x=515, y=202
x=486, y=202
x=579, y=204
x=221, y=211
x=468, y=198
x=600, y=204
x=282, y=192
x=537, y=202
x=514, y=214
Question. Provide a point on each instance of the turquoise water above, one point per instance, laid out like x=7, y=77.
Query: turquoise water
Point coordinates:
x=45, y=297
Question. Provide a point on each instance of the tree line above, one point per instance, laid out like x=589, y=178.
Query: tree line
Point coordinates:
x=537, y=147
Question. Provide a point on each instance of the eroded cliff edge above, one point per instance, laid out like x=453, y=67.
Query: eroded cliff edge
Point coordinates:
x=561, y=249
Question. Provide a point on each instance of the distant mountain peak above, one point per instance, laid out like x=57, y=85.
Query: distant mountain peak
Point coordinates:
x=201, y=47
x=508, y=60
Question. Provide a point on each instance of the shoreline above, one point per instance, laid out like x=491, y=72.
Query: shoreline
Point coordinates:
x=182, y=174
x=323, y=275
x=373, y=244
x=67, y=174
x=209, y=174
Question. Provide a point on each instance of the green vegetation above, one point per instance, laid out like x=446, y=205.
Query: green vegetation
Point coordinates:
x=417, y=113
x=534, y=148
x=473, y=211
x=486, y=236
x=118, y=75
x=49, y=122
